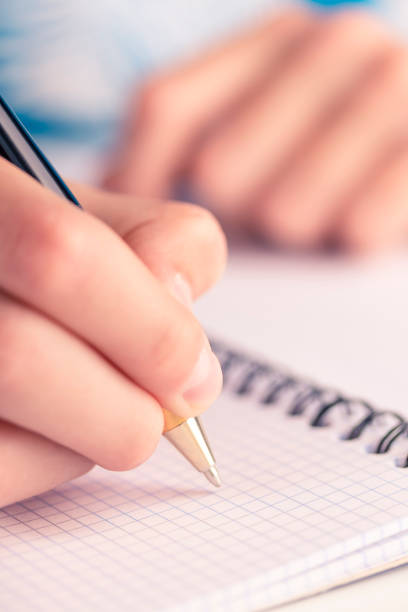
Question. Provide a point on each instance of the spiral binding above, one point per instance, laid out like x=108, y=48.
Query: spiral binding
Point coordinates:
x=245, y=376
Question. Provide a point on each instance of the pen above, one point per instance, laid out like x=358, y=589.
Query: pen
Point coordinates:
x=18, y=147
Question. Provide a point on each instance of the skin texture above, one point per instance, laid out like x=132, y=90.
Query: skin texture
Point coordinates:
x=296, y=130
x=96, y=333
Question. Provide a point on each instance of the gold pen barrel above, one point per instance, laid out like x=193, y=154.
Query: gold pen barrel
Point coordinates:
x=188, y=437
x=171, y=420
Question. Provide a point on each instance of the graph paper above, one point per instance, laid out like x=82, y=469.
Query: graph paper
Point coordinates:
x=300, y=509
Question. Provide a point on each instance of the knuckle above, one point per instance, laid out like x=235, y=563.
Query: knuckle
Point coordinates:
x=357, y=236
x=125, y=456
x=51, y=257
x=159, y=99
x=204, y=232
x=13, y=352
x=131, y=447
x=213, y=175
x=355, y=241
x=395, y=72
x=286, y=229
x=203, y=172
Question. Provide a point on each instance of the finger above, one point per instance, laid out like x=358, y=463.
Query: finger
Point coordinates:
x=253, y=146
x=53, y=384
x=378, y=216
x=30, y=464
x=301, y=207
x=175, y=241
x=175, y=108
x=77, y=271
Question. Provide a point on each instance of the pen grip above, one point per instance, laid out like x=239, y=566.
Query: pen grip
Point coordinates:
x=171, y=420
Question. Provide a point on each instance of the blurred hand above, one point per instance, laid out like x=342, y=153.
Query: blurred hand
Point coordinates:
x=96, y=334
x=296, y=130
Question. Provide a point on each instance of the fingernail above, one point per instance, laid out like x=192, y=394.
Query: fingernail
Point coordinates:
x=181, y=290
x=205, y=381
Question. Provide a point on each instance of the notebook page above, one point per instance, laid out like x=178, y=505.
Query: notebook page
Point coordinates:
x=380, y=557
x=296, y=500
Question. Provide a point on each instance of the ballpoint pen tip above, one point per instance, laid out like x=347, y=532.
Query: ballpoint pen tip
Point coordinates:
x=213, y=476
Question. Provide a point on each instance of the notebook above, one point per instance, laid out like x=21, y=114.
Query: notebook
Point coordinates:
x=314, y=495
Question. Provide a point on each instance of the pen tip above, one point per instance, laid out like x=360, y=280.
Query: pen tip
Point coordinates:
x=213, y=476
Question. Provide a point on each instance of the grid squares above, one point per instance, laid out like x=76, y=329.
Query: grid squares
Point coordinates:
x=290, y=516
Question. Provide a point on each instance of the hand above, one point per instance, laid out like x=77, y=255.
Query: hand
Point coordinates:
x=96, y=335
x=296, y=130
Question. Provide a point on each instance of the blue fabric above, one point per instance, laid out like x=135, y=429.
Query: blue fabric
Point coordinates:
x=67, y=65
x=337, y=3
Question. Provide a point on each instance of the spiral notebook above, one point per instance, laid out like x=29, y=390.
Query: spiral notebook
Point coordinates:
x=315, y=494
